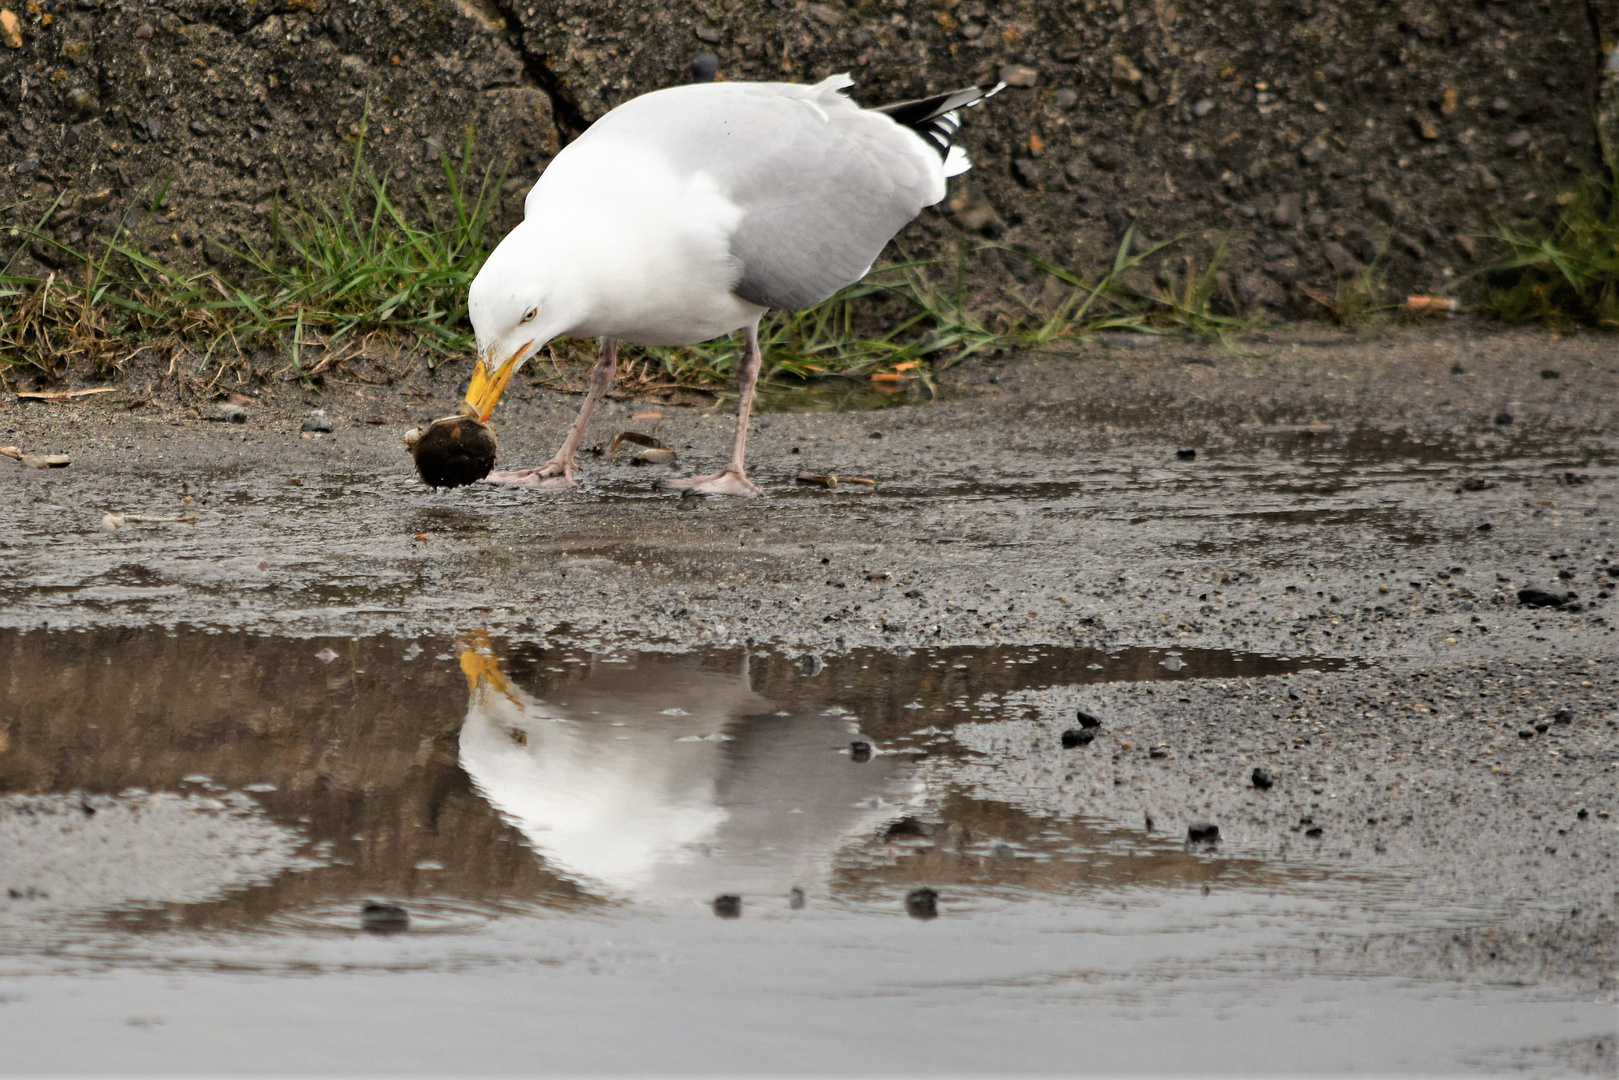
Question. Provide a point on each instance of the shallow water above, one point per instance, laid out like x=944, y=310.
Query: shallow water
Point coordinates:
x=191, y=822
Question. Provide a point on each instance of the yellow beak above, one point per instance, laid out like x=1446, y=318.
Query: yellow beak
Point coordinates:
x=486, y=386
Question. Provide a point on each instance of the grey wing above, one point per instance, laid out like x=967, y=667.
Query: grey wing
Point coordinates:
x=823, y=184
x=821, y=210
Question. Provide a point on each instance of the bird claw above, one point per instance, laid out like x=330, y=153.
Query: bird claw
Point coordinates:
x=552, y=476
x=728, y=482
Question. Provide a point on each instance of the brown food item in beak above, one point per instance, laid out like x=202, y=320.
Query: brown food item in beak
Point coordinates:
x=453, y=452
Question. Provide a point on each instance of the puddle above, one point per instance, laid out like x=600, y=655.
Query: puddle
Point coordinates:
x=558, y=825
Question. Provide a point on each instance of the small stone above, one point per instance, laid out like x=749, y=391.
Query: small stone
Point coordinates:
x=922, y=903
x=1525, y=733
x=1261, y=779
x=795, y=898
x=1124, y=71
x=384, y=919
x=1563, y=716
x=1549, y=373
x=1077, y=737
x=26, y=166
x=1518, y=139
x=1086, y=720
x=1158, y=753
x=710, y=34
x=1314, y=832
x=1066, y=99
x=81, y=100
x=1503, y=418
x=226, y=414
x=1539, y=598
x=1027, y=172
x=703, y=67
x=1382, y=202
x=1017, y=75
x=1188, y=454
x=1457, y=369
x=316, y=421
x=1104, y=157
x=1202, y=107
x=859, y=751
x=728, y=907
x=10, y=29
x=1500, y=106
x=1286, y=213
x=144, y=30
x=1202, y=832
x=1343, y=264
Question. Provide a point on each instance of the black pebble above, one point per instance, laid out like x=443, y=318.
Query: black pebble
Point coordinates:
x=1186, y=455
x=1086, y=720
x=384, y=918
x=728, y=907
x=1548, y=373
x=1457, y=369
x=1202, y=832
x=1503, y=418
x=454, y=452
x=922, y=903
x=1313, y=833
x=859, y=751
x=1158, y=753
x=1542, y=598
x=1262, y=779
x=1076, y=737
x=1562, y=716
x=703, y=67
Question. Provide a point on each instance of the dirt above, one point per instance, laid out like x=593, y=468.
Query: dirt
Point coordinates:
x=1366, y=508
x=1318, y=139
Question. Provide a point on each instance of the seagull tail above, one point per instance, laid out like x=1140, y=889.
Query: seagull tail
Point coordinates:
x=937, y=120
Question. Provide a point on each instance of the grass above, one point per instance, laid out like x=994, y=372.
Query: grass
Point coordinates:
x=1564, y=275
x=373, y=268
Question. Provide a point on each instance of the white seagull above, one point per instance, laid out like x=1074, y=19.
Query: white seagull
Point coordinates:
x=685, y=214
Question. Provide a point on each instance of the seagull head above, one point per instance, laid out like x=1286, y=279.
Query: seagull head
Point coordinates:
x=517, y=304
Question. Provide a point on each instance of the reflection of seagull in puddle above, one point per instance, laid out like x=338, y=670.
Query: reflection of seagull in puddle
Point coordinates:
x=664, y=779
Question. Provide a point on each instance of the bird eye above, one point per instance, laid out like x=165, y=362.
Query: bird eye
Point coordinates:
x=529, y=315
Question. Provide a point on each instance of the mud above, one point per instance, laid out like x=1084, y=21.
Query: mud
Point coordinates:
x=343, y=676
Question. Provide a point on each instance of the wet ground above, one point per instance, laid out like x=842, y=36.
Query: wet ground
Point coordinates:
x=712, y=766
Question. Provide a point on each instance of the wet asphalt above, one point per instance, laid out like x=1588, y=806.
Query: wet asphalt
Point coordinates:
x=1370, y=507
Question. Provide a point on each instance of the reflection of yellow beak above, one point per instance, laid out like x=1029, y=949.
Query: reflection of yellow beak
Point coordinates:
x=486, y=386
x=481, y=668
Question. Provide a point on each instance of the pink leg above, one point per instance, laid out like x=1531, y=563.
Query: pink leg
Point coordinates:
x=558, y=472
x=732, y=480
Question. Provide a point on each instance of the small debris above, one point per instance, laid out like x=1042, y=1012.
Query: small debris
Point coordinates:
x=1563, y=716
x=1549, y=373
x=1503, y=418
x=728, y=906
x=1202, y=832
x=833, y=480
x=1187, y=454
x=859, y=752
x=1313, y=832
x=922, y=903
x=649, y=450
x=795, y=898
x=1086, y=720
x=1158, y=753
x=878, y=575
x=384, y=919
x=1262, y=780
x=1539, y=598
x=1017, y=75
x=1475, y=483
x=316, y=422
x=62, y=395
x=36, y=461
x=1432, y=305
x=111, y=522
x=226, y=414
x=1077, y=737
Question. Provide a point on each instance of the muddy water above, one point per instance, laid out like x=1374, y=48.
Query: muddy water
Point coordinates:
x=192, y=822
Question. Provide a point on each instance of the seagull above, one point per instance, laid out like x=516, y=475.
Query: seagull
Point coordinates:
x=685, y=214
